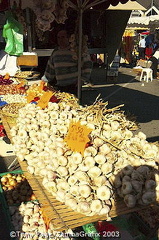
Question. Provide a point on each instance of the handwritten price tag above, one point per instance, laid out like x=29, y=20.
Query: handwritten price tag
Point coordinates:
x=42, y=84
x=30, y=97
x=43, y=102
x=77, y=137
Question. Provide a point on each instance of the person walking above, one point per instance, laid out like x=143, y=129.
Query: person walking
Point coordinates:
x=62, y=68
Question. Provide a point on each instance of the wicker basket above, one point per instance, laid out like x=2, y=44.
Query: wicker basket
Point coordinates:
x=7, y=112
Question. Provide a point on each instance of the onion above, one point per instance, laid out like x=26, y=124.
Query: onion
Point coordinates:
x=13, y=182
x=4, y=179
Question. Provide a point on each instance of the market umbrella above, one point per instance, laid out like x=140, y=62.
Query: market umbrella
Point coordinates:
x=81, y=6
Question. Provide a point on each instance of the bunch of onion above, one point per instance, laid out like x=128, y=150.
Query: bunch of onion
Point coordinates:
x=16, y=188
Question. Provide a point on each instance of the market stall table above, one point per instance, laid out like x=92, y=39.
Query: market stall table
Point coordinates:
x=57, y=212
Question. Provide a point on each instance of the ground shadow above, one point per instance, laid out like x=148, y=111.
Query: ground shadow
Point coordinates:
x=99, y=76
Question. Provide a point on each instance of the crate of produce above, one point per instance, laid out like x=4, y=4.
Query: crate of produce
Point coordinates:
x=10, y=111
x=15, y=188
x=148, y=221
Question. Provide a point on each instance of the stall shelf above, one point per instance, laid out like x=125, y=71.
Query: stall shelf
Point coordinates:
x=57, y=212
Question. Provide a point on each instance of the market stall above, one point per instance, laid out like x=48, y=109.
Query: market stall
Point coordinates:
x=72, y=156
x=78, y=160
x=45, y=14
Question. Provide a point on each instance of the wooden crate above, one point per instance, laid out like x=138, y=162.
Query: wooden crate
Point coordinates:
x=59, y=214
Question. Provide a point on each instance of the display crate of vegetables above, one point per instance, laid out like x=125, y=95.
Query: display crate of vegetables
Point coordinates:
x=15, y=188
x=10, y=111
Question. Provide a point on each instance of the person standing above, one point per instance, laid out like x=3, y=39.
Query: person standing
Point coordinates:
x=62, y=67
x=154, y=58
x=154, y=66
x=142, y=45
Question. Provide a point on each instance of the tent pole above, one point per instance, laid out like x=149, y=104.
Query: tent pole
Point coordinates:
x=80, y=55
x=29, y=34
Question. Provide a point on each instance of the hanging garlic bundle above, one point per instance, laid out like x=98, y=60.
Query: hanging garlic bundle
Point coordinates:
x=44, y=14
x=61, y=11
x=137, y=185
x=81, y=181
x=74, y=45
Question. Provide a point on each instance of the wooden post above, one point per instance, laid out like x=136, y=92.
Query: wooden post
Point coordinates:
x=80, y=54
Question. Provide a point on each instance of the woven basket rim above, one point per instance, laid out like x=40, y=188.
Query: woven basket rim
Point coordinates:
x=7, y=113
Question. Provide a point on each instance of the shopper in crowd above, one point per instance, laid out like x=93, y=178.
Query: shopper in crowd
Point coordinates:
x=62, y=67
x=142, y=45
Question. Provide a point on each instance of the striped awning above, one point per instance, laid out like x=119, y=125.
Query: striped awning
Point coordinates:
x=145, y=20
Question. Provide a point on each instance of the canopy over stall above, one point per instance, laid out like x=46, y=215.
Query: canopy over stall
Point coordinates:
x=144, y=21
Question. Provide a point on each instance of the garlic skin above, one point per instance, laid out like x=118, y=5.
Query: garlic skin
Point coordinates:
x=100, y=159
x=137, y=186
x=126, y=178
x=104, y=149
x=126, y=188
x=84, y=191
x=99, y=181
x=105, y=210
x=74, y=190
x=84, y=206
x=72, y=180
x=77, y=158
x=130, y=200
x=94, y=172
x=150, y=185
x=89, y=162
x=71, y=202
x=103, y=193
x=127, y=170
x=148, y=197
x=96, y=206
x=98, y=142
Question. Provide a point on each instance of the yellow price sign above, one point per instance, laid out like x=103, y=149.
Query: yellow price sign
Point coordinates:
x=30, y=97
x=77, y=137
x=41, y=86
x=44, y=99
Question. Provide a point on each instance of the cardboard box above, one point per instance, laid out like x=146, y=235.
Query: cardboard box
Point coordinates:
x=28, y=59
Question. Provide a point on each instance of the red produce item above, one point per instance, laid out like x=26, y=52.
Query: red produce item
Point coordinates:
x=36, y=99
x=45, y=88
x=103, y=226
x=54, y=99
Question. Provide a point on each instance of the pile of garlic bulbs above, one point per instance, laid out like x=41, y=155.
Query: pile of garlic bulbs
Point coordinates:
x=81, y=181
x=28, y=222
x=28, y=218
x=137, y=185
